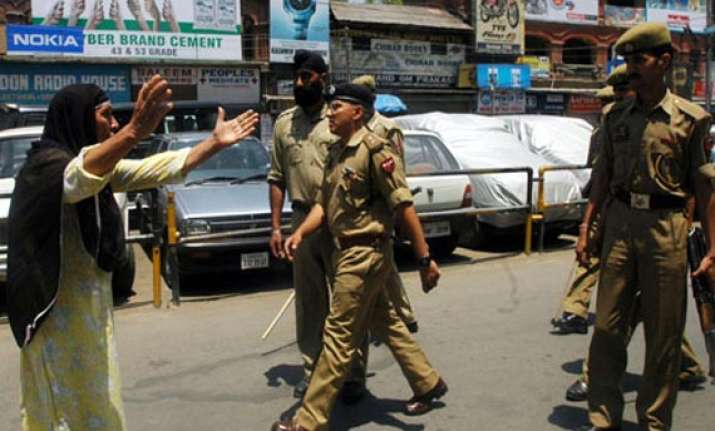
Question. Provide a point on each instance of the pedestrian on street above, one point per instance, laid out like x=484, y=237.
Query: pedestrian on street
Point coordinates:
x=363, y=189
x=301, y=140
x=65, y=239
x=651, y=161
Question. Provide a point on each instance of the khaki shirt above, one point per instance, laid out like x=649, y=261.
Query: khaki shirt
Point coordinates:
x=595, y=144
x=655, y=152
x=388, y=129
x=364, y=182
x=300, y=146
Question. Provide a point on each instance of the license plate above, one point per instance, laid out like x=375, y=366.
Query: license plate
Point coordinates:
x=436, y=229
x=254, y=260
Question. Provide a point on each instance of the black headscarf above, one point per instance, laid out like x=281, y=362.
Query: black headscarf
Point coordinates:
x=34, y=223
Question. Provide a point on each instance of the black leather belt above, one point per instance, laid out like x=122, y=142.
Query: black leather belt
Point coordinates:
x=367, y=240
x=301, y=206
x=645, y=201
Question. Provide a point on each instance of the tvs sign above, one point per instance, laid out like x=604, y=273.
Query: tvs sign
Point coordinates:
x=44, y=39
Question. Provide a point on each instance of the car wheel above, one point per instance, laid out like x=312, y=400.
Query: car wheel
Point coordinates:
x=442, y=247
x=123, y=277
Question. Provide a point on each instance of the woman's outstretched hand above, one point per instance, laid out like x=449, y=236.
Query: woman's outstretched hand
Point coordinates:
x=229, y=132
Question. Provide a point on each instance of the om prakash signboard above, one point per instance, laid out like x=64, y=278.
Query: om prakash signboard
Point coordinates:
x=131, y=29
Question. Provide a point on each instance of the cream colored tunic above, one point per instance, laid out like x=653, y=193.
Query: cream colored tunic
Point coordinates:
x=69, y=371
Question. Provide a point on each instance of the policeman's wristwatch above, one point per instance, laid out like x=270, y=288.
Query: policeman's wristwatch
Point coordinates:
x=301, y=11
x=424, y=261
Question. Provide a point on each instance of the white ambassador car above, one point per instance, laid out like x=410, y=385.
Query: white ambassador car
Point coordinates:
x=439, y=200
x=14, y=144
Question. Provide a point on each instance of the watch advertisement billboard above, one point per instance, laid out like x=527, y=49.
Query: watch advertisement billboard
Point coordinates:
x=299, y=24
x=678, y=14
x=499, y=26
x=131, y=29
x=35, y=84
x=398, y=63
x=570, y=11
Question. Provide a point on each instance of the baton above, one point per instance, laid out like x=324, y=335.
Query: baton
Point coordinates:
x=280, y=314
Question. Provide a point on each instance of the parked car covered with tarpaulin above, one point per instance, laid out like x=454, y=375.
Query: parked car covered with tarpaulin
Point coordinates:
x=481, y=142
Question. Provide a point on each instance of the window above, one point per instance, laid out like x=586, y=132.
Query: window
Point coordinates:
x=537, y=46
x=578, y=51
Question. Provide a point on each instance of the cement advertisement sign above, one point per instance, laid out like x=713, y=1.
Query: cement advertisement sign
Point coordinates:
x=499, y=26
x=399, y=63
x=299, y=24
x=35, y=84
x=570, y=11
x=131, y=29
x=678, y=14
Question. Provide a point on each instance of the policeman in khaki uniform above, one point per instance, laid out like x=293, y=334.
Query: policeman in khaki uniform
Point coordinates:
x=300, y=146
x=651, y=161
x=577, y=301
x=388, y=129
x=363, y=189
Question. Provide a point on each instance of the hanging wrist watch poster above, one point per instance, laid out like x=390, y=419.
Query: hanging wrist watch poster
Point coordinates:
x=127, y=29
x=299, y=24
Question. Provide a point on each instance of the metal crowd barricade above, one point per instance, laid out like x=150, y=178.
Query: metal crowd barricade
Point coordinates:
x=541, y=205
x=527, y=207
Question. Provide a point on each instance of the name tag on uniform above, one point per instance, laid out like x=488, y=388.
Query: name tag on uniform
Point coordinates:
x=640, y=201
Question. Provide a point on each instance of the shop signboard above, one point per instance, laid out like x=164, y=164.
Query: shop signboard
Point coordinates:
x=132, y=29
x=467, y=74
x=209, y=84
x=619, y=16
x=503, y=76
x=299, y=24
x=547, y=103
x=678, y=14
x=540, y=65
x=501, y=102
x=35, y=84
x=569, y=11
x=499, y=26
x=399, y=63
x=584, y=104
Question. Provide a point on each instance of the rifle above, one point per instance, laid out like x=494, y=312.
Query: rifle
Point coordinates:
x=703, y=292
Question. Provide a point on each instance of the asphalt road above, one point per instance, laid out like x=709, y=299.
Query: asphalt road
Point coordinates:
x=203, y=366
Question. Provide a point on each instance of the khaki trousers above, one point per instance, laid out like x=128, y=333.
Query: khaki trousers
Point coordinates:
x=312, y=277
x=578, y=298
x=643, y=251
x=398, y=295
x=360, y=303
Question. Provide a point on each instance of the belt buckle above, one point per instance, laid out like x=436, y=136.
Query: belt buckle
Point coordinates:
x=640, y=201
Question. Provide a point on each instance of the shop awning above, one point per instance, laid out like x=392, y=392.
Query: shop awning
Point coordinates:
x=416, y=16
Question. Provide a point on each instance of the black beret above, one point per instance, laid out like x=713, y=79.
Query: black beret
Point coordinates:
x=309, y=60
x=353, y=93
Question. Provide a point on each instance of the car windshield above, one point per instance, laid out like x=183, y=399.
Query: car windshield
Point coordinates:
x=425, y=154
x=248, y=160
x=13, y=152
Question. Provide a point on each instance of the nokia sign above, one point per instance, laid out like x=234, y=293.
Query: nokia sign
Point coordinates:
x=38, y=38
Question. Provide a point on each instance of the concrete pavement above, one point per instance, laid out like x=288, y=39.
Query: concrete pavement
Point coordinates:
x=486, y=329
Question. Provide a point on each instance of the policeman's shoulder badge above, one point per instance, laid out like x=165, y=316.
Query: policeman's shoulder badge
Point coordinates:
x=388, y=165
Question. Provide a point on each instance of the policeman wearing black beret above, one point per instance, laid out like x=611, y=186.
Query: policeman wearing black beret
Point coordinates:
x=364, y=190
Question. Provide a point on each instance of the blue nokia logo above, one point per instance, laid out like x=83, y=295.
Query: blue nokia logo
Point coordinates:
x=37, y=38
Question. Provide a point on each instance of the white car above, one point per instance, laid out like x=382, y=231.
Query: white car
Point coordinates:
x=14, y=144
x=438, y=199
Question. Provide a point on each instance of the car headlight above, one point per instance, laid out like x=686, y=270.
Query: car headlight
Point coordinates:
x=195, y=227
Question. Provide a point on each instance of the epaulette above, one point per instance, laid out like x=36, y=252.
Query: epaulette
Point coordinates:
x=690, y=108
x=373, y=142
